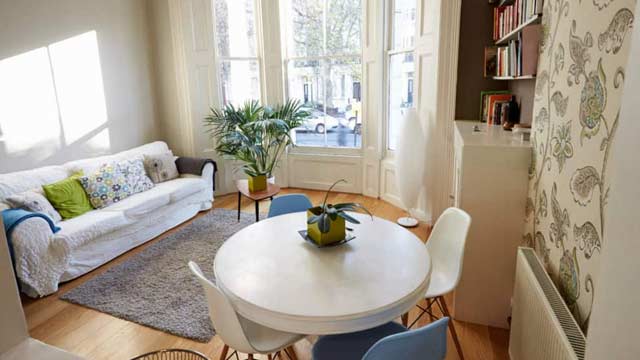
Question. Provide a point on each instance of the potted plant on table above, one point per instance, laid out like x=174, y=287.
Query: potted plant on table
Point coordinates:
x=255, y=135
x=326, y=224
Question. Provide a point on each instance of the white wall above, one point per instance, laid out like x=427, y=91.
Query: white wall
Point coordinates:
x=75, y=80
x=613, y=331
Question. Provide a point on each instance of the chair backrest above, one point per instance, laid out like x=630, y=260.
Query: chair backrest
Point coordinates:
x=223, y=315
x=428, y=343
x=289, y=204
x=446, y=244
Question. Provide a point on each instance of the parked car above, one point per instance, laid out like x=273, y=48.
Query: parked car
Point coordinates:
x=318, y=122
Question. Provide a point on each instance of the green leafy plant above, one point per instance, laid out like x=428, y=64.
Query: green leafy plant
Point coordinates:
x=333, y=211
x=255, y=135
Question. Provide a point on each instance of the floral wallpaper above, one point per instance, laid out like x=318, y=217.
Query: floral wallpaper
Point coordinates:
x=584, y=50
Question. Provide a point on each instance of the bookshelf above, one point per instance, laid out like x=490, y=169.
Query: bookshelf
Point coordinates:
x=513, y=55
x=512, y=78
x=514, y=34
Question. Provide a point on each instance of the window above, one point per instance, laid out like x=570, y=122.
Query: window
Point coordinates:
x=238, y=62
x=400, y=65
x=323, y=69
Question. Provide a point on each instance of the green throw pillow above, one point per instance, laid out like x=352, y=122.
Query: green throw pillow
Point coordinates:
x=68, y=197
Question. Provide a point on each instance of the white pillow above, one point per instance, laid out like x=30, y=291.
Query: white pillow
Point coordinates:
x=161, y=167
x=33, y=200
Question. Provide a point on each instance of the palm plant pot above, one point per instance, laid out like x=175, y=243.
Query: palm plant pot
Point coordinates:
x=257, y=183
x=337, y=230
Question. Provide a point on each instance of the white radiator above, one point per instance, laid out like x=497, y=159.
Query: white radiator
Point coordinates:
x=542, y=326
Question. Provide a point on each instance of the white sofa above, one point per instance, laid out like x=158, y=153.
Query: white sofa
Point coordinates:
x=43, y=259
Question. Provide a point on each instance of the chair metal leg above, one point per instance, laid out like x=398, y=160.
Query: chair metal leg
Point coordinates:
x=223, y=353
x=239, y=203
x=443, y=306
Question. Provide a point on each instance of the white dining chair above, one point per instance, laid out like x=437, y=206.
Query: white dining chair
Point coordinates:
x=237, y=332
x=446, y=248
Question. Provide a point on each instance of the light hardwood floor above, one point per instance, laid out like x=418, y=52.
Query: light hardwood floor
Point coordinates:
x=96, y=335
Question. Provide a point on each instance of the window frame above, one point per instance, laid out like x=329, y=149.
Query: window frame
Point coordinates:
x=219, y=59
x=389, y=51
x=286, y=59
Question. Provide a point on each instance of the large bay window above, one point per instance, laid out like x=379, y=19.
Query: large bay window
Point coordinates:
x=323, y=69
x=400, y=65
x=322, y=63
x=237, y=55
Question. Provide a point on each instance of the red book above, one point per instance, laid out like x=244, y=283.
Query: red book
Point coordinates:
x=492, y=102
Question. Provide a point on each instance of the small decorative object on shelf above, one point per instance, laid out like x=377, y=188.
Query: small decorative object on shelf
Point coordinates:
x=513, y=114
x=326, y=224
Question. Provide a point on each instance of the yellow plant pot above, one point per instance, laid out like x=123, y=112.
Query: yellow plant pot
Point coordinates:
x=337, y=231
x=257, y=183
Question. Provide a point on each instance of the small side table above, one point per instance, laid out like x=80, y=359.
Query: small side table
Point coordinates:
x=268, y=193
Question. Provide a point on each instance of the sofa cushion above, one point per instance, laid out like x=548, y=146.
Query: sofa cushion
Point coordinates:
x=106, y=186
x=68, y=197
x=141, y=204
x=17, y=182
x=90, y=225
x=92, y=164
x=180, y=188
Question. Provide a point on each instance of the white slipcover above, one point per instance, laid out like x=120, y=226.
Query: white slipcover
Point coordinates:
x=43, y=259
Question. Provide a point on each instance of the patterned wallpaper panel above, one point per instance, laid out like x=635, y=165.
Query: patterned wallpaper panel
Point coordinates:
x=584, y=52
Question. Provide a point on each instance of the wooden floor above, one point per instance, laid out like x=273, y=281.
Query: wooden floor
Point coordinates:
x=96, y=335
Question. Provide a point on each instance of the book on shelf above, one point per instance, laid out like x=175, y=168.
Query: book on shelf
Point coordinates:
x=490, y=61
x=508, y=18
x=493, y=109
x=518, y=58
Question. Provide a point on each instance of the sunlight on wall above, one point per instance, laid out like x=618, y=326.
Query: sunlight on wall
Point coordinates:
x=78, y=81
x=28, y=108
x=53, y=97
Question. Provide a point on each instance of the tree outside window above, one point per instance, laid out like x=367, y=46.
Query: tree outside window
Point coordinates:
x=324, y=69
x=238, y=62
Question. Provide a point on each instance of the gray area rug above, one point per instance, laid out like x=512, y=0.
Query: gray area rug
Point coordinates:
x=156, y=288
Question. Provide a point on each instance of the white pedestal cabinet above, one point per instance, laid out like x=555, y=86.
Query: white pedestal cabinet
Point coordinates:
x=490, y=183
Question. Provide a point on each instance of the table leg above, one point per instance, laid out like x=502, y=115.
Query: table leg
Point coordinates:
x=257, y=211
x=239, y=202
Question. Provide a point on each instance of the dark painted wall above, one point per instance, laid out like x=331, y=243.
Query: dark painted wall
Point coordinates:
x=476, y=30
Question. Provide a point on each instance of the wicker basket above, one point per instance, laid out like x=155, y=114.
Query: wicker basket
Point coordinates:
x=172, y=354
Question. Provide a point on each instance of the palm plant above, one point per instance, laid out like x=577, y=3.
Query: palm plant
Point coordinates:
x=255, y=135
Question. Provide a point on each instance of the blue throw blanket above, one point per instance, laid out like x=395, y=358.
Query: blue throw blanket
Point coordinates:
x=12, y=217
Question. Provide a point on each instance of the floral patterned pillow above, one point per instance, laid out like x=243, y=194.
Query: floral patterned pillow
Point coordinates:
x=135, y=174
x=106, y=186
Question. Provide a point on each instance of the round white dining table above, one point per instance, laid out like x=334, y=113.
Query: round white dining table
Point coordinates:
x=275, y=278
